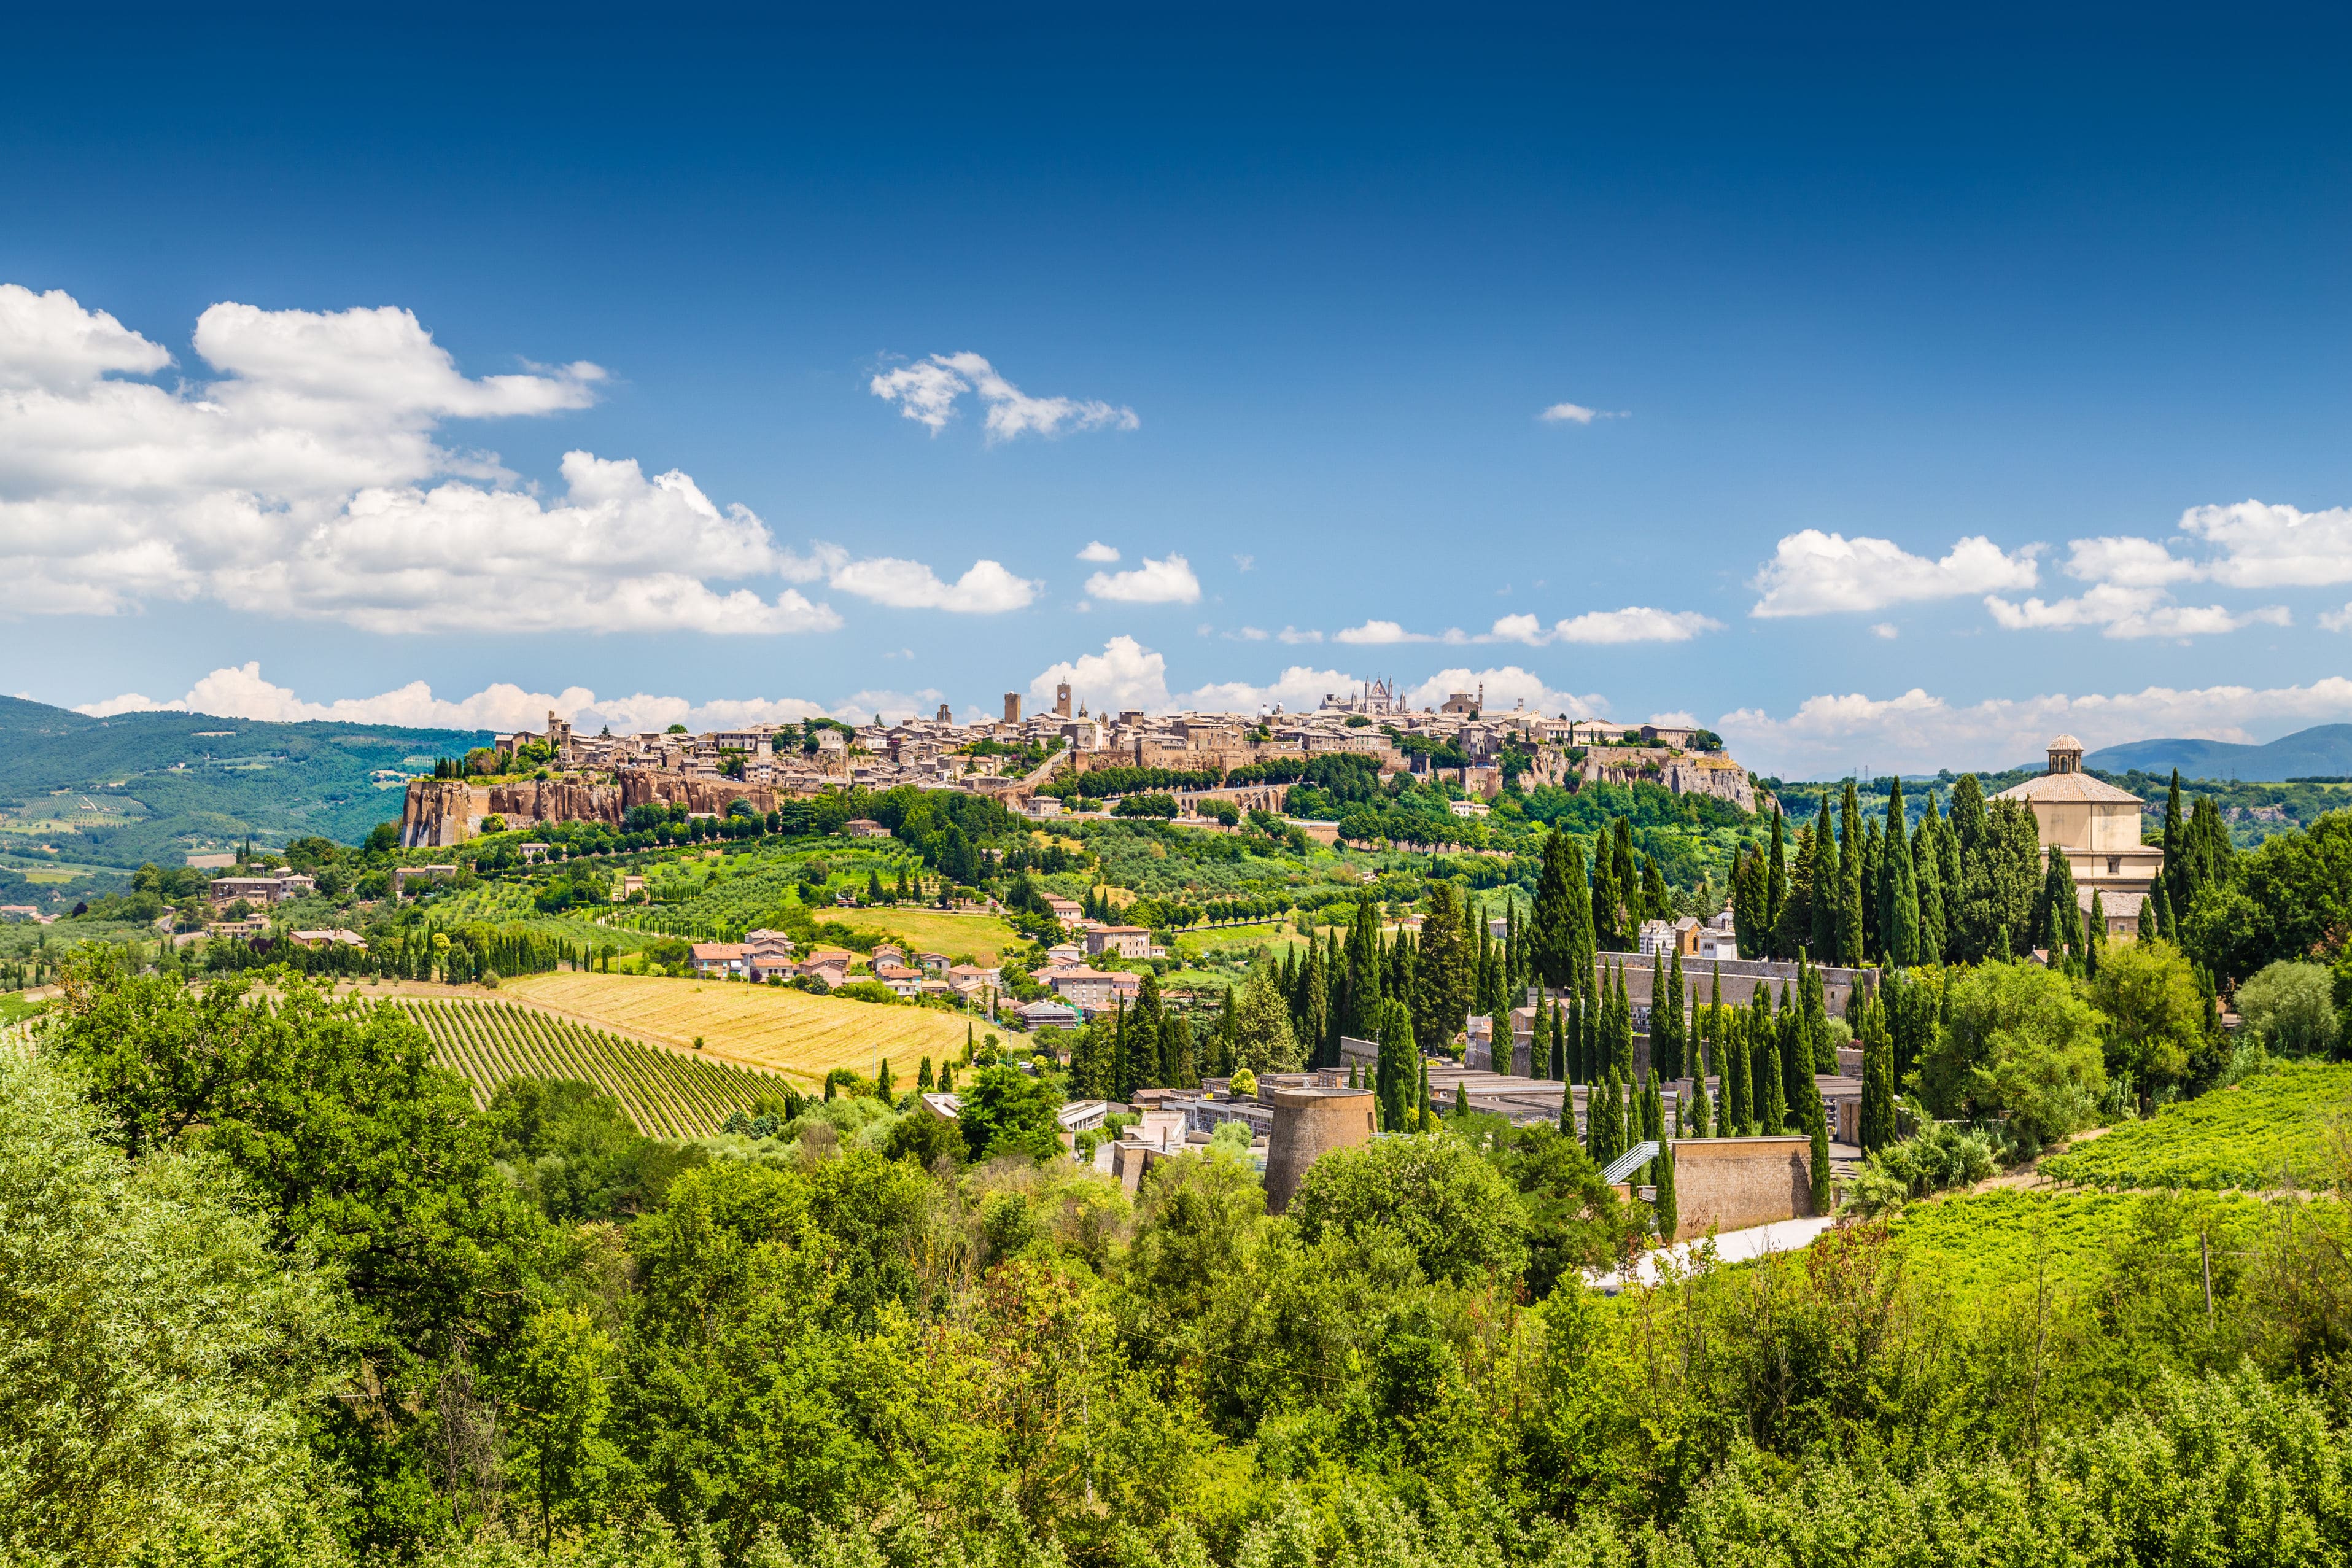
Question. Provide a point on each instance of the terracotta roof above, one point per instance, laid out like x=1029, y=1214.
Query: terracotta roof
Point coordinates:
x=2068, y=789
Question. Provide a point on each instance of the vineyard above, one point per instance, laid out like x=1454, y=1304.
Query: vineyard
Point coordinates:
x=2272, y=1130
x=2003, y=1239
x=789, y=1031
x=667, y=1094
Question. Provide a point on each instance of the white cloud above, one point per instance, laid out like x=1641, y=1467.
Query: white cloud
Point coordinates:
x=1126, y=674
x=1816, y=573
x=1098, y=550
x=1244, y=562
x=53, y=342
x=1917, y=731
x=1167, y=581
x=1504, y=688
x=1292, y=636
x=2336, y=620
x=926, y=392
x=2127, y=562
x=986, y=589
x=1381, y=634
x=2266, y=546
x=1886, y=629
x=1633, y=624
x=306, y=481
x=1675, y=720
x=2127, y=612
x=241, y=692
x=1248, y=634
x=1575, y=414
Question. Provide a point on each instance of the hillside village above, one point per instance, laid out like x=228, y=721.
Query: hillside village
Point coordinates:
x=1248, y=760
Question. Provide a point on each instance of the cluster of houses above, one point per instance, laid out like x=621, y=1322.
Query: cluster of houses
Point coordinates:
x=770, y=955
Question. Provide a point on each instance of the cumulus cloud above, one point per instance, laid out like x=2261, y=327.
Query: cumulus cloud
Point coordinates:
x=240, y=691
x=1633, y=624
x=1506, y=688
x=1098, y=550
x=1827, y=734
x=1380, y=633
x=305, y=480
x=2128, y=612
x=1126, y=674
x=1165, y=582
x=1292, y=634
x=927, y=393
x=2263, y=546
x=1575, y=414
x=986, y=589
x=1817, y=574
x=2336, y=620
x=1885, y=629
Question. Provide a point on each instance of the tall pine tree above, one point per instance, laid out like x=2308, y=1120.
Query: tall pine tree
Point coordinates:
x=1775, y=888
x=1829, y=878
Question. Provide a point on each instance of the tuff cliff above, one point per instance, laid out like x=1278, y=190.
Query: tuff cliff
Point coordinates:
x=441, y=812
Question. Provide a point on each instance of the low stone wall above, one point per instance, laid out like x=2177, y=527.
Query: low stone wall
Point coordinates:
x=1731, y=1184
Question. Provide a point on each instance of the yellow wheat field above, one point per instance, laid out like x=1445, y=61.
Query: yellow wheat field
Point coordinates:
x=789, y=1031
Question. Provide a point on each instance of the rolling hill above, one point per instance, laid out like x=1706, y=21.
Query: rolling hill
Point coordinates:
x=2322, y=751
x=154, y=786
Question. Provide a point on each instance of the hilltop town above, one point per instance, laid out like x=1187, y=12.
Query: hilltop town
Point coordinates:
x=1247, y=759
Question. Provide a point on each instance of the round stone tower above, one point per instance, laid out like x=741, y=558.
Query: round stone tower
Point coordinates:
x=1310, y=1122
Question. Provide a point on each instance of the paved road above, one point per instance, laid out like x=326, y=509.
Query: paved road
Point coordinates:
x=1731, y=1247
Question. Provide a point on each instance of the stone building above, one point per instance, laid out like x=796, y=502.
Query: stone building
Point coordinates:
x=2097, y=827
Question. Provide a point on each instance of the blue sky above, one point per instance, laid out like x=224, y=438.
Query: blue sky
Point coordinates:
x=1874, y=320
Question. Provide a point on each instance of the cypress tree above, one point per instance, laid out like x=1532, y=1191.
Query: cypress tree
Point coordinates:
x=1461, y=1098
x=1773, y=1099
x=1818, y=1156
x=1702, y=1113
x=1901, y=920
x=1677, y=1019
x=1796, y=1050
x=1852, y=933
x=923, y=1079
x=1425, y=1122
x=1776, y=887
x=1739, y=1107
x=882, y=1081
x=1606, y=900
x=2176, y=868
x=1540, y=1055
x=1927, y=879
x=1713, y=1061
x=1659, y=1046
x=1829, y=879
x=1629, y=877
x=1877, y=1092
x=1749, y=925
x=1559, y=939
x=1397, y=1059
x=2156, y=914
x=1665, y=1205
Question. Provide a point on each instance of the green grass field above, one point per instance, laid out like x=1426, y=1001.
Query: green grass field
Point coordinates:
x=668, y=1094
x=1994, y=1240
x=2277, y=1128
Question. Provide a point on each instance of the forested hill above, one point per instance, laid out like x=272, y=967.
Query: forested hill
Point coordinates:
x=2323, y=751
x=153, y=786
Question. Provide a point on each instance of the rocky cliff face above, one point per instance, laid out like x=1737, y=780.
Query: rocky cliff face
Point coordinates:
x=442, y=812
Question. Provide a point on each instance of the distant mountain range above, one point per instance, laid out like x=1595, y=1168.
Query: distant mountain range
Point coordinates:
x=155, y=786
x=2323, y=751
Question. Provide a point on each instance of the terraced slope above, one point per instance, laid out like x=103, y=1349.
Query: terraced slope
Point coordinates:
x=668, y=1094
x=789, y=1031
